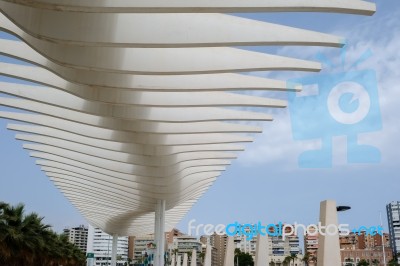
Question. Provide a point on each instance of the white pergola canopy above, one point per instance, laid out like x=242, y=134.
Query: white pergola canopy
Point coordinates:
x=132, y=101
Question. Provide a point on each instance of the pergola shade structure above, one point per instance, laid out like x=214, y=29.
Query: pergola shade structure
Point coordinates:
x=130, y=102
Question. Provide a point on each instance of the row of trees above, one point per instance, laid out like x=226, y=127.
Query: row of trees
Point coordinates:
x=375, y=262
x=26, y=240
x=349, y=262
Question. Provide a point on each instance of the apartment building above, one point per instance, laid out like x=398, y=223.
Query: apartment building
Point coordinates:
x=393, y=217
x=373, y=248
x=78, y=236
x=100, y=243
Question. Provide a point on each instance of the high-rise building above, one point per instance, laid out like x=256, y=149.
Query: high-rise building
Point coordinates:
x=311, y=247
x=206, y=240
x=219, y=242
x=169, y=236
x=100, y=243
x=78, y=236
x=131, y=247
x=393, y=216
x=246, y=245
x=279, y=248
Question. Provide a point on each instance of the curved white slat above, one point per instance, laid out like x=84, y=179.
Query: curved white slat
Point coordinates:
x=174, y=61
x=142, y=184
x=109, y=192
x=199, y=114
x=136, y=191
x=149, y=150
x=206, y=6
x=125, y=157
x=223, y=81
x=149, y=99
x=178, y=30
x=95, y=130
x=123, y=167
x=124, y=138
x=204, y=82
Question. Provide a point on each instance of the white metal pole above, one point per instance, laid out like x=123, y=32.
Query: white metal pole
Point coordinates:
x=114, y=250
x=108, y=249
x=162, y=232
x=159, y=234
x=383, y=241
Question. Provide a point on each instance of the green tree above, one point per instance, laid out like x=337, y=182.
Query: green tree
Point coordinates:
x=306, y=258
x=202, y=255
x=19, y=236
x=244, y=259
x=363, y=263
x=189, y=253
x=375, y=262
x=287, y=260
x=25, y=240
x=293, y=257
x=393, y=262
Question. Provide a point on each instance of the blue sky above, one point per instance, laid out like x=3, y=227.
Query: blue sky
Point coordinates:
x=265, y=183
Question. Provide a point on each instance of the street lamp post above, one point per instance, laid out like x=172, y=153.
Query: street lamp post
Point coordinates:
x=108, y=250
x=343, y=209
x=383, y=241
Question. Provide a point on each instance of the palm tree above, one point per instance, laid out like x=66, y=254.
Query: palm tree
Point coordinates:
x=362, y=263
x=202, y=256
x=243, y=258
x=287, y=260
x=18, y=238
x=25, y=240
x=306, y=258
x=293, y=257
x=375, y=262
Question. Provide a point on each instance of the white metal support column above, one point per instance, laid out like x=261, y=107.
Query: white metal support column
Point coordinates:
x=328, y=245
x=262, y=258
x=208, y=259
x=114, y=250
x=230, y=252
x=159, y=233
